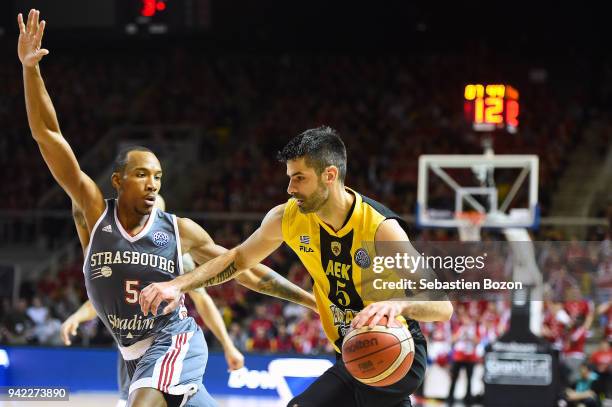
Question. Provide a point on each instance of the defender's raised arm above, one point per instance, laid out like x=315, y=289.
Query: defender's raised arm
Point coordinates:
x=44, y=124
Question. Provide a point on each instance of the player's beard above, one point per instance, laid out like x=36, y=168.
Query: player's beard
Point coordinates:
x=314, y=201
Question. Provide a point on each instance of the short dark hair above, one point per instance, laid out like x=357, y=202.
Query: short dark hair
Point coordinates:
x=122, y=157
x=321, y=147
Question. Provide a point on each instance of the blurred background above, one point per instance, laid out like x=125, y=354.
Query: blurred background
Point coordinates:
x=216, y=88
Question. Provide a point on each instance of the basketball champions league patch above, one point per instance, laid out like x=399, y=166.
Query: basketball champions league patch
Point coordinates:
x=160, y=239
x=362, y=258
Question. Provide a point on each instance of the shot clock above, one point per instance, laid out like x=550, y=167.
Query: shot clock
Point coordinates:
x=491, y=107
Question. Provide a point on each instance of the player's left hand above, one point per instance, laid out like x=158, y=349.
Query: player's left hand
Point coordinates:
x=235, y=359
x=154, y=294
x=376, y=311
x=69, y=327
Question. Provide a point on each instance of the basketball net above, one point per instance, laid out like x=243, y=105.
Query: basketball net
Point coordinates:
x=469, y=225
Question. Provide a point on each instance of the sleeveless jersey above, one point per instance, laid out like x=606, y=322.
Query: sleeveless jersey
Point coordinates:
x=117, y=266
x=333, y=260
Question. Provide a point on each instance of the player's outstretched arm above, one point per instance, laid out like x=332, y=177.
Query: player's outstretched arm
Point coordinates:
x=266, y=239
x=264, y=280
x=210, y=314
x=259, y=278
x=44, y=124
x=85, y=313
x=426, y=311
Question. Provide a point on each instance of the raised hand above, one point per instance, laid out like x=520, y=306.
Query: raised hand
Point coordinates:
x=30, y=39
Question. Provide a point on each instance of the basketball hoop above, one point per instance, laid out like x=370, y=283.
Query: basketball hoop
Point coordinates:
x=470, y=223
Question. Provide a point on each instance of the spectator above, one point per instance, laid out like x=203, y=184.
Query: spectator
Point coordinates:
x=601, y=359
x=18, y=325
x=306, y=334
x=605, y=311
x=556, y=324
x=293, y=312
x=439, y=343
x=238, y=336
x=261, y=321
x=48, y=333
x=284, y=340
x=261, y=341
x=582, y=395
x=37, y=311
x=465, y=340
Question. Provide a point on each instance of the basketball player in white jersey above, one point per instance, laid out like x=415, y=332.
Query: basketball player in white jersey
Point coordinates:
x=202, y=301
x=132, y=245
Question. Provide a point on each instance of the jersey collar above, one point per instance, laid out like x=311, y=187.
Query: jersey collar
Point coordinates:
x=140, y=234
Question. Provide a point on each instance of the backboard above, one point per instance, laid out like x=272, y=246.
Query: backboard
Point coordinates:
x=504, y=187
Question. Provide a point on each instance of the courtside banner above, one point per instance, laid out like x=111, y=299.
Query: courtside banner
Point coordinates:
x=281, y=376
x=95, y=370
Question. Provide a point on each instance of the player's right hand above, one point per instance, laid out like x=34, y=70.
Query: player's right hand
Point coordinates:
x=69, y=327
x=30, y=39
x=154, y=294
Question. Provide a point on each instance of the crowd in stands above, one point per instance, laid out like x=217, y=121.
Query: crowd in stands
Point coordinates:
x=389, y=109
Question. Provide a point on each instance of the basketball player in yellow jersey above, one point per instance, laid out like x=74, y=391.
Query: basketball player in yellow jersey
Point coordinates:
x=325, y=223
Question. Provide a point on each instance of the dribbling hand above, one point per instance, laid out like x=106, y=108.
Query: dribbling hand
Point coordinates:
x=376, y=311
x=30, y=39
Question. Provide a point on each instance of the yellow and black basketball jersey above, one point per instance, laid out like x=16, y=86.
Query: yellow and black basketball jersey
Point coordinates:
x=335, y=260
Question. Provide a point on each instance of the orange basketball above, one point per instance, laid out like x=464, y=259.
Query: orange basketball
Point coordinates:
x=378, y=356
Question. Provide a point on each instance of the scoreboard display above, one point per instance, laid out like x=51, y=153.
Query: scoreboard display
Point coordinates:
x=126, y=17
x=491, y=107
x=145, y=17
